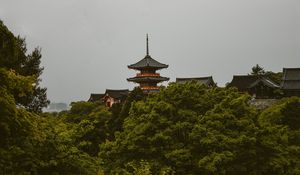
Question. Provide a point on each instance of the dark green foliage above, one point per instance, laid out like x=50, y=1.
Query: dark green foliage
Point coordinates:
x=32, y=144
x=227, y=133
x=13, y=56
x=192, y=129
x=80, y=109
x=121, y=111
x=93, y=119
x=291, y=113
x=280, y=138
x=183, y=128
x=62, y=150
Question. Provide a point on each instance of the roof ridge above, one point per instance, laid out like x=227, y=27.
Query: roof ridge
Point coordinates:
x=195, y=77
x=148, y=61
x=249, y=75
x=117, y=90
x=291, y=68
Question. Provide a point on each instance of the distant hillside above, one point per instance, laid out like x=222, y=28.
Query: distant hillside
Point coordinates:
x=57, y=107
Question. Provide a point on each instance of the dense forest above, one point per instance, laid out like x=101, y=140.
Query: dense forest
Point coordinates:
x=183, y=129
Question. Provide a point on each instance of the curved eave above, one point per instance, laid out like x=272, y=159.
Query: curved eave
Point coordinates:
x=147, y=79
x=147, y=67
x=146, y=63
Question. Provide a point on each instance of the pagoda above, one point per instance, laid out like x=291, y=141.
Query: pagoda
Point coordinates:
x=147, y=78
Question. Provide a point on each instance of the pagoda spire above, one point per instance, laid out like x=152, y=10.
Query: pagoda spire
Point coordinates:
x=147, y=45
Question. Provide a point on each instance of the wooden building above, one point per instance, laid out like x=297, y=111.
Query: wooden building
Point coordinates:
x=148, y=78
x=291, y=81
x=96, y=97
x=110, y=97
x=207, y=81
x=258, y=86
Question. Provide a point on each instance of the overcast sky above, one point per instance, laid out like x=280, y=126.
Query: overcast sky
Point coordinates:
x=87, y=44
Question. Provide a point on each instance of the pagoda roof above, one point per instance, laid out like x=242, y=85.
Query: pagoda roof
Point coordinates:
x=148, y=62
x=148, y=79
x=291, y=79
x=202, y=80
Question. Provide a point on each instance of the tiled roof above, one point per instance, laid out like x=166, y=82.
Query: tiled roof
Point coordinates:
x=95, y=97
x=147, y=79
x=244, y=82
x=291, y=79
x=266, y=82
x=117, y=93
x=147, y=62
x=203, y=80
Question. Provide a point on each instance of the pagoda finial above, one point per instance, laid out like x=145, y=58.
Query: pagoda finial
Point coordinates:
x=147, y=45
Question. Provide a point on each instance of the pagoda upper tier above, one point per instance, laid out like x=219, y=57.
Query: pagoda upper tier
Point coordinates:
x=148, y=63
x=148, y=78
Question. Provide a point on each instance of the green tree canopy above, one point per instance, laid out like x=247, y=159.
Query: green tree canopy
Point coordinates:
x=40, y=144
x=13, y=56
x=187, y=129
x=280, y=138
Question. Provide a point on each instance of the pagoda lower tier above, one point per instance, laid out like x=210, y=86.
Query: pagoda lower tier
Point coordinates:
x=148, y=83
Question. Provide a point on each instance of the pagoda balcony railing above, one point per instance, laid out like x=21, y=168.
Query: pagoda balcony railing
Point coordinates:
x=147, y=74
x=150, y=88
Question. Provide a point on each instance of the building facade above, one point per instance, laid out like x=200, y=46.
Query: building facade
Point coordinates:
x=258, y=86
x=207, y=81
x=110, y=97
x=291, y=81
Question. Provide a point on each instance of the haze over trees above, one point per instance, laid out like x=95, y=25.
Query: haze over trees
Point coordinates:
x=183, y=129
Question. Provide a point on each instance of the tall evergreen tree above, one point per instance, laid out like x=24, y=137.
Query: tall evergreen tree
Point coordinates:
x=13, y=55
x=257, y=70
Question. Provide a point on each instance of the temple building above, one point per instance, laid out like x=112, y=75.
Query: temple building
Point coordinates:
x=96, y=97
x=147, y=78
x=207, y=81
x=110, y=97
x=291, y=81
x=259, y=86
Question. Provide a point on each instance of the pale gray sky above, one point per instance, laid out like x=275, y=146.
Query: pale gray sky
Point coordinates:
x=87, y=45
